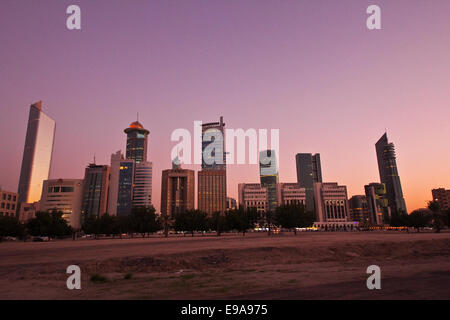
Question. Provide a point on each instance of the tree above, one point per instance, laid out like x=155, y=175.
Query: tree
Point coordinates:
x=241, y=219
x=190, y=221
x=217, y=222
x=438, y=217
x=398, y=219
x=11, y=227
x=144, y=220
x=293, y=216
x=419, y=219
x=49, y=224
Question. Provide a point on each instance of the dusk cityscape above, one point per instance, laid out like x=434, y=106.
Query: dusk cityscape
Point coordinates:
x=224, y=150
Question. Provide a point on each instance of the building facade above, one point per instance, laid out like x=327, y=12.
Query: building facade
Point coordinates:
x=64, y=195
x=231, y=203
x=332, y=209
x=177, y=190
x=137, y=142
x=142, y=191
x=268, y=173
x=27, y=211
x=378, y=203
x=37, y=154
x=442, y=196
x=309, y=172
x=212, y=179
x=95, y=190
x=8, y=203
x=290, y=194
x=387, y=167
x=253, y=195
x=359, y=209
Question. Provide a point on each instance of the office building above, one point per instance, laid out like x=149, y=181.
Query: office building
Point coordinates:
x=212, y=182
x=332, y=209
x=27, y=211
x=442, y=196
x=253, y=195
x=378, y=203
x=268, y=172
x=309, y=171
x=359, y=209
x=95, y=190
x=290, y=194
x=177, y=190
x=8, y=203
x=142, y=191
x=120, y=199
x=231, y=203
x=63, y=195
x=37, y=154
x=137, y=142
x=387, y=166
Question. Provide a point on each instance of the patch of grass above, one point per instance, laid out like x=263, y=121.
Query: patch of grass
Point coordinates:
x=187, y=276
x=128, y=276
x=96, y=278
x=292, y=281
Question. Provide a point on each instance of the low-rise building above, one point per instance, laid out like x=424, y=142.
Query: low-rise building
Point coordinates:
x=8, y=203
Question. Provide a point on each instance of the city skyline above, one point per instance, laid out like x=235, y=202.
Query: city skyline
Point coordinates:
x=270, y=75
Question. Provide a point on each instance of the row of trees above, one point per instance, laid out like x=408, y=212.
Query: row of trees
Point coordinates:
x=433, y=216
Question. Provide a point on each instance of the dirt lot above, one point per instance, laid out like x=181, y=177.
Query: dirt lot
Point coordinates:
x=306, y=266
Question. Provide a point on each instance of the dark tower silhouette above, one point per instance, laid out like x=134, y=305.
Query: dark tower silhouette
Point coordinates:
x=137, y=141
x=387, y=166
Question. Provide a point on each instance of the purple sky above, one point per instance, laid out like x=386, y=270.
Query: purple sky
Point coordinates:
x=309, y=68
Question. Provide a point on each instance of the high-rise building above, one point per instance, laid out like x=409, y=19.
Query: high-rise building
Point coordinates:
x=63, y=195
x=359, y=209
x=95, y=190
x=212, y=182
x=177, y=190
x=8, y=203
x=378, y=203
x=37, y=154
x=268, y=172
x=332, y=209
x=309, y=171
x=120, y=198
x=387, y=166
x=137, y=141
x=442, y=196
x=142, y=191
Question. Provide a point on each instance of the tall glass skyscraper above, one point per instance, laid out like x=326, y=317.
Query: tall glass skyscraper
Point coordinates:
x=37, y=154
x=309, y=171
x=268, y=172
x=95, y=190
x=387, y=166
x=137, y=141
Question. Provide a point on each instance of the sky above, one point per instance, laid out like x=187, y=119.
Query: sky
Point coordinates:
x=309, y=68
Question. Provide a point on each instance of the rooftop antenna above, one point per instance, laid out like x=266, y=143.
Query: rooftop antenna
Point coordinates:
x=94, y=158
x=138, y=117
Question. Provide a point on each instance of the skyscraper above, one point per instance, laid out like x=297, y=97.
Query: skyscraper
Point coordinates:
x=387, y=167
x=377, y=202
x=137, y=141
x=37, y=154
x=309, y=171
x=142, y=191
x=212, y=183
x=268, y=172
x=95, y=190
x=177, y=190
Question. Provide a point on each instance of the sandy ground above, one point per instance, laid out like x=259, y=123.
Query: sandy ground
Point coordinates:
x=306, y=266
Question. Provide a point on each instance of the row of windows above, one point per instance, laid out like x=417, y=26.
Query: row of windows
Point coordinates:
x=59, y=189
x=8, y=206
x=9, y=197
x=6, y=214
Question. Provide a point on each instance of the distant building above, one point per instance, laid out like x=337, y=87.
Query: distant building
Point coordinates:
x=37, y=154
x=378, y=204
x=253, y=195
x=212, y=179
x=120, y=199
x=290, y=194
x=231, y=204
x=359, y=209
x=137, y=142
x=177, y=190
x=142, y=192
x=8, y=203
x=28, y=211
x=268, y=172
x=387, y=166
x=63, y=195
x=212, y=193
x=95, y=190
x=332, y=206
x=309, y=171
x=442, y=196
